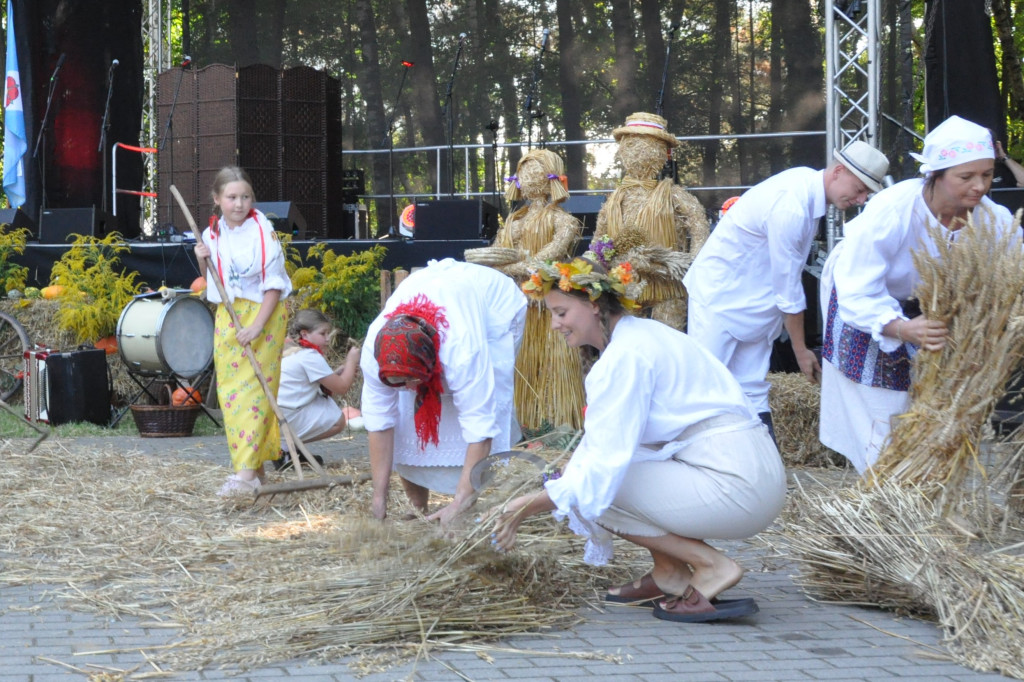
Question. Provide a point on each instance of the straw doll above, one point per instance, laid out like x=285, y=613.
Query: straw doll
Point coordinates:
x=659, y=213
x=549, y=379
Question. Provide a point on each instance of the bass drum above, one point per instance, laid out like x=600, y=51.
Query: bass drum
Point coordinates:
x=158, y=337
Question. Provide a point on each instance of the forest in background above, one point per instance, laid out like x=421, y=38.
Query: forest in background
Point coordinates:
x=735, y=67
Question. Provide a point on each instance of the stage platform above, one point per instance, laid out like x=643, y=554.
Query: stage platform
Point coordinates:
x=173, y=264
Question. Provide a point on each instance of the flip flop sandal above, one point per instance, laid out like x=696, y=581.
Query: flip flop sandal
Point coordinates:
x=693, y=607
x=648, y=593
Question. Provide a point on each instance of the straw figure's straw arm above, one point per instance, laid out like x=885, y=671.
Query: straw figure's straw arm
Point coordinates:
x=291, y=439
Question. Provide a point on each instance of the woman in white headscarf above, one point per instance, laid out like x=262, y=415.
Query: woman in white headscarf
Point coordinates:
x=872, y=324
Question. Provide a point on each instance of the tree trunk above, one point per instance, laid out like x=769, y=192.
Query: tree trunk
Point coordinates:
x=1013, y=79
x=804, y=84
x=654, y=49
x=624, y=69
x=720, y=66
x=424, y=85
x=242, y=33
x=568, y=85
x=776, y=160
x=905, y=142
x=370, y=81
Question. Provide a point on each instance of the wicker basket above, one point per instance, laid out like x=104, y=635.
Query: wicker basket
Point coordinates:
x=165, y=421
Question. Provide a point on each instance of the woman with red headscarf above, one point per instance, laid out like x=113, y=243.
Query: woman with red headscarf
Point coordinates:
x=438, y=386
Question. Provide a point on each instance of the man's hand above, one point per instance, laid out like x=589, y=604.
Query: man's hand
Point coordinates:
x=809, y=364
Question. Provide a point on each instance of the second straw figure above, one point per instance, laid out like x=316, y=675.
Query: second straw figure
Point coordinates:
x=646, y=211
x=549, y=378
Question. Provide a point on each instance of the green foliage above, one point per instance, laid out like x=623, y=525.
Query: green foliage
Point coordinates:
x=12, y=275
x=96, y=290
x=346, y=288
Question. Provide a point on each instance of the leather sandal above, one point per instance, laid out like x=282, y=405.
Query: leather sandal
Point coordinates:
x=643, y=595
x=694, y=607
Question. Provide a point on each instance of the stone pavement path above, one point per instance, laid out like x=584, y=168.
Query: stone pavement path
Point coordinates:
x=792, y=638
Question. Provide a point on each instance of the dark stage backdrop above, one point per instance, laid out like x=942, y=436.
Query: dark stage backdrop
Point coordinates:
x=67, y=172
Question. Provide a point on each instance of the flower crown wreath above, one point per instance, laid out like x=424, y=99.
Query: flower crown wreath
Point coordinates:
x=579, y=274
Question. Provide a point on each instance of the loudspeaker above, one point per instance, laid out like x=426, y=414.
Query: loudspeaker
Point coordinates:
x=585, y=208
x=15, y=219
x=285, y=216
x=77, y=388
x=1011, y=197
x=57, y=224
x=451, y=219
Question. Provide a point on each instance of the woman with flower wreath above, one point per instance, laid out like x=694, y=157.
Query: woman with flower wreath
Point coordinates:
x=437, y=388
x=672, y=453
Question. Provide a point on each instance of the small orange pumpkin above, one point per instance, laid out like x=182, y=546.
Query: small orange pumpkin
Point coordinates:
x=107, y=343
x=185, y=396
x=51, y=292
x=198, y=284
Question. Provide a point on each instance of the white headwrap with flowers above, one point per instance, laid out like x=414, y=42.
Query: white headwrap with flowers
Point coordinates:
x=953, y=142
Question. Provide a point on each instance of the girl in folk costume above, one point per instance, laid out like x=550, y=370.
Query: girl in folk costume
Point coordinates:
x=645, y=210
x=437, y=388
x=248, y=258
x=308, y=382
x=549, y=379
x=672, y=451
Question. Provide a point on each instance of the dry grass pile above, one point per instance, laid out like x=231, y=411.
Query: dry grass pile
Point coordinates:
x=308, y=575
x=976, y=286
x=796, y=406
x=891, y=547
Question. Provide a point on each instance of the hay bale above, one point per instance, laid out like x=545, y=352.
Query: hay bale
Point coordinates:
x=795, y=403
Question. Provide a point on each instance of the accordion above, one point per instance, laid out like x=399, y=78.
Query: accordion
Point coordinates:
x=66, y=387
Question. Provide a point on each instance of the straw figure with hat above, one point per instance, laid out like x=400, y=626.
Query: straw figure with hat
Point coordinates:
x=666, y=433
x=873, y=325
x=549, y=378
x=746, y=284
x=437, y=388
x=644, y=210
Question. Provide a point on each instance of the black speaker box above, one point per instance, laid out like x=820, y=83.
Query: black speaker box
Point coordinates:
x=15, y=219
x=585, y=208
x=57, y=224
x=77, y=387
x=451, y=219
x=1010, y=197
x=285, y=216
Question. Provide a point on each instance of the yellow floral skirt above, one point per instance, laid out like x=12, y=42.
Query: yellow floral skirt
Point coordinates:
x=250, y=424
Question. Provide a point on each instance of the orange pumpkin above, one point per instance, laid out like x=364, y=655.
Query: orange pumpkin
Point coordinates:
x=52, y=291
x=185, y=396
x=107, y=343
x=198, y=284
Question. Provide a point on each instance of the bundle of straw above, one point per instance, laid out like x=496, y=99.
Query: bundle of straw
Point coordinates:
x=890, y=547
x=976, y=286
x=796, y=412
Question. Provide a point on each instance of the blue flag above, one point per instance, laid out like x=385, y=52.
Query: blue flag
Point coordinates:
x=15, y=144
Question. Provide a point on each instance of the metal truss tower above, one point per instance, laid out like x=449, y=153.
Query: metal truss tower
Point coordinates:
x=157, y=55
x=852, y=64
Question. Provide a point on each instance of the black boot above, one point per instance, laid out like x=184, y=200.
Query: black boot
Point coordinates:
x=766, y=417
x=284, y=462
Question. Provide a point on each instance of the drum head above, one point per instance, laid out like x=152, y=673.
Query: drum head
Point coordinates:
x=185, y=336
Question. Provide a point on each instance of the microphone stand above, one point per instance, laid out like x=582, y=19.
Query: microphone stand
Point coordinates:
x=42, y=132
x=530, y=97
x=104, y=127
x=169, y=132
x=671, y=169
x=493, y=127
x=392, y=230
x=450, y=119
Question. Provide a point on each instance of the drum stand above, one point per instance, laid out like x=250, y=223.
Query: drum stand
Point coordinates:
x=198, y=380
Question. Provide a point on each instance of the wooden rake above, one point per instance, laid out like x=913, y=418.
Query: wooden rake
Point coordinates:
x=295, y=444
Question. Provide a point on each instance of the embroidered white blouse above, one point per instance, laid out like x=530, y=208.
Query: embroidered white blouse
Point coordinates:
x=650, y=384
x=249, y=258
x=873, y=267
x=750, y=270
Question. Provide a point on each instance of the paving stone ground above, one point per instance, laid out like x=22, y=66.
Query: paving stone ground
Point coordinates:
x=792, y=638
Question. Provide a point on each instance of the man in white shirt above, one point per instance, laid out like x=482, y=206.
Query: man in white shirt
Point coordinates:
x=746, y=283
